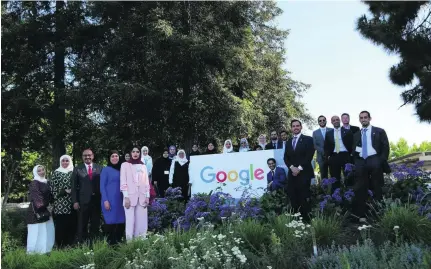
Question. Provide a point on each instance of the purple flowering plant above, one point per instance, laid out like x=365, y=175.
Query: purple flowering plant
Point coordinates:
x=164, y=211
x=408, y=182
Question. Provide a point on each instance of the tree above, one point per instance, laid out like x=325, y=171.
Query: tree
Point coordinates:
x=401, y=148
x=404, y=28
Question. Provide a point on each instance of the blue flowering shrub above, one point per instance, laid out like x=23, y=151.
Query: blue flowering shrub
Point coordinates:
x=165, y=211
x=408, y=182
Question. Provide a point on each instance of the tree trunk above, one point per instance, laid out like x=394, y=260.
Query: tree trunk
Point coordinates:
x=58, y=109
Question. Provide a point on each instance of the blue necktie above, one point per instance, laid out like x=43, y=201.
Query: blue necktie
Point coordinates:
x=294, y=142
x=364, y=144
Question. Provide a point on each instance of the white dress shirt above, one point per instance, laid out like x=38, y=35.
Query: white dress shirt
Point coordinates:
x=370, y=150
x=323, y=131
x=340, y=140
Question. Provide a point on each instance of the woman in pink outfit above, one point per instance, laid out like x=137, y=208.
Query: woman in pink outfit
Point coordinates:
x=135, y=186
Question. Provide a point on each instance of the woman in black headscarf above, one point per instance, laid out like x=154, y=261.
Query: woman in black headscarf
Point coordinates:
x=211, y=148
x=161, y=173
x=195, y=151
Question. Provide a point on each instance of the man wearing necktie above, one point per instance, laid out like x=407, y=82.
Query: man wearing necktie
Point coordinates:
x=86, y=196
x=298, y=156
x=276, y=177
x=319, y=142
x=371, y=152
x=274, y=143
x=338, y=147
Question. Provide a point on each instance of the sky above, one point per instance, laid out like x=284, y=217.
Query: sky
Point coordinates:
x=347, y=73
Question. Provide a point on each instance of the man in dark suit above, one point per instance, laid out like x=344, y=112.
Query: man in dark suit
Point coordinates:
x=319, y=136
x=86, y=196
x=371, y=152
x=298, y=156
x=345, y=118
x=276, y=177
x=338, y=147
x=274, y=143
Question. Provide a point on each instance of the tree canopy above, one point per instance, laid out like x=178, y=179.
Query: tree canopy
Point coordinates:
x=104, y=75
x=404, y=28
x=402, y=148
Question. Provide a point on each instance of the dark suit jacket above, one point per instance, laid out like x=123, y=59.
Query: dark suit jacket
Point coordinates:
x=353, y=129
x=301, y=156
x=346, y=137
x=279, y=179
x=82, y=187
x=380, y=143
x=279, y=145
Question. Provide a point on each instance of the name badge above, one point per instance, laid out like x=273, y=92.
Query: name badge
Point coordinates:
x=166, y=172
x=358, y=149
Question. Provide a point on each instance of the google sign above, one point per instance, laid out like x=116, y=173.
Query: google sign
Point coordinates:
x=232, y=173
x=208, y=174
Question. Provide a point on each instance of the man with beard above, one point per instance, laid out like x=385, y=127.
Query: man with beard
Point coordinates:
x=371, y=152
x=86, y=196
x=338, y=147
x=298, y=156
x=319, y=142
x=274, y=143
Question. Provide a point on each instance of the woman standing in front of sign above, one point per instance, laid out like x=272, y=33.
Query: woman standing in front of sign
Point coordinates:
x=228, y=147
x=179, y=174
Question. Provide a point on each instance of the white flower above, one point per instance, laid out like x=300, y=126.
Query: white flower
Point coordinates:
x=200, y=219
x=223, y=218
x=396, y=227
x=364, y=227
x=269, y=267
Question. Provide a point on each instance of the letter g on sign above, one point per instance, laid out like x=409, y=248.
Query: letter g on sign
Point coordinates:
x=208, y=177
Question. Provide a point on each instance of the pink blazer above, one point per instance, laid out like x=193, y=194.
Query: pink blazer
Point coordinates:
x=136, y=184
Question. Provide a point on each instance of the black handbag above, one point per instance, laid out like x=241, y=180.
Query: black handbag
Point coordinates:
x=41, y=216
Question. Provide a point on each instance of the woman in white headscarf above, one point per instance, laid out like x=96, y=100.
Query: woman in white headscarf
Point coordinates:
x=41, y=234
x=243, y=147
x=64, y=217
x=147, y=160
x=228, y=147
x=179, y=174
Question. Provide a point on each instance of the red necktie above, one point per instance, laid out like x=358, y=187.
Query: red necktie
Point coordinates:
x=90, y=172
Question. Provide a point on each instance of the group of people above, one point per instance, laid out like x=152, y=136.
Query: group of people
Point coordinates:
x=123, y=190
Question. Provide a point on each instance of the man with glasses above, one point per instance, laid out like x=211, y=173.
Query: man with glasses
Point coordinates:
x=319, y=144
x=86, y=196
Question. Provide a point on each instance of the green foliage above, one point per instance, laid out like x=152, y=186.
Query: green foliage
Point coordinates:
x=328, y=229
x=13, y=228
x=256, y=236
x=274, y=203
x=403, y=27
x=412, y=226
x=401, y=148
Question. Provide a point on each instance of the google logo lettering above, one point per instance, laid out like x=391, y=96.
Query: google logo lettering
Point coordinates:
x=208, y=175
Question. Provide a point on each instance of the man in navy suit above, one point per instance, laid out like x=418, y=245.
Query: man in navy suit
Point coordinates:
x=298, y=156
x=274, y=143
x=276, y=177
x=371, y=152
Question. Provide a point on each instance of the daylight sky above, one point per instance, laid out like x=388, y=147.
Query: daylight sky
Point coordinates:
x=347, y=73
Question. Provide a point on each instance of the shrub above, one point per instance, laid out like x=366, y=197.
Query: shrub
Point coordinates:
x=255, y=235
x=164, y=211
x=328, y=229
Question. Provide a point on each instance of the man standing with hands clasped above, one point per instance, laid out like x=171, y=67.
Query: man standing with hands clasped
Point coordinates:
x=371, y=152
x=298, y=156
x=86, y=196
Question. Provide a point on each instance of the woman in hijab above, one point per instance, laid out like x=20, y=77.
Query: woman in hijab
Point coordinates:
x=179, y=174
x=147, y=160
x=211, y=148
x=64, y=217
x=161, y=170
x=41, y=234
x=112, y=200
x=244, y=145
x=195, y=151
x=262, y=141
x=127, y=157
x=228, y=147
x=135, y=185
x=172, y=152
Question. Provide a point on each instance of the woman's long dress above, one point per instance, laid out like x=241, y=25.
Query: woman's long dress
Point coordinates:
x=161, y=175
x=181, y=179
x=65, y=219
x=41, y=236
x=115, y=217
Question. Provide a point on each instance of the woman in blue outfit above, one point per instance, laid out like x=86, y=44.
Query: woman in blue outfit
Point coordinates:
x=112, y=199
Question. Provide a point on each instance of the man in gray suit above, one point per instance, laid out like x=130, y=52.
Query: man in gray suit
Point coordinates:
x=319, y=143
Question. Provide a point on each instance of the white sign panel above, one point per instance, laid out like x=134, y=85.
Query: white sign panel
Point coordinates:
x=232, y=172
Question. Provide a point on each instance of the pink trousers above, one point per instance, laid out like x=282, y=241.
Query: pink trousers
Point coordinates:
x=136, y=222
